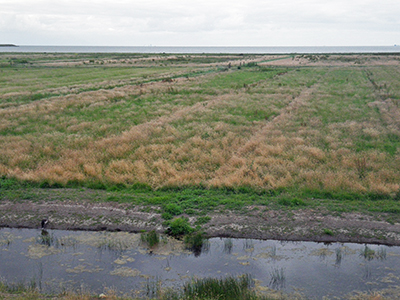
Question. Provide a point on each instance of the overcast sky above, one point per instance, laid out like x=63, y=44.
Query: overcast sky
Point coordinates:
x=200, y=23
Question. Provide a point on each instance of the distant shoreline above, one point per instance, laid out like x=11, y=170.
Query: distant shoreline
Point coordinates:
x=8, y=45
x=204, y=49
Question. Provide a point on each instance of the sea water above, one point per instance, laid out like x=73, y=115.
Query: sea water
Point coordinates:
x=230, y=50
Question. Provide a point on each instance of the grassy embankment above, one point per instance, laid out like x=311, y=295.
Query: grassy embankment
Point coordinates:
x=187, y=129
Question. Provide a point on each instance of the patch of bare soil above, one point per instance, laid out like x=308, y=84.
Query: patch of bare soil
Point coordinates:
x=294, y=225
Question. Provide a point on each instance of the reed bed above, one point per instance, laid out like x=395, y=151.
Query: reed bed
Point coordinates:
x=315, y=129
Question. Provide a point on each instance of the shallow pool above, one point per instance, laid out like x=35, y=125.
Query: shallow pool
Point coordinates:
x=57, y=260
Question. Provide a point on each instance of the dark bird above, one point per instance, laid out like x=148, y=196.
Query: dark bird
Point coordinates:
x=44, y=223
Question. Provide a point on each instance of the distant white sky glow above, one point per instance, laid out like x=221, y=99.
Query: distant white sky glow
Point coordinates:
x=200, y=23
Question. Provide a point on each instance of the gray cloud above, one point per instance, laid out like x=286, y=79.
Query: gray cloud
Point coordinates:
x=179, y=22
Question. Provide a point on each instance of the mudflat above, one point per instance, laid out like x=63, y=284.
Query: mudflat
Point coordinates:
x=255, y=221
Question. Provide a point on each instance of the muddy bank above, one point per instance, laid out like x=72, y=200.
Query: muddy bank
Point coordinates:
x=293, y=225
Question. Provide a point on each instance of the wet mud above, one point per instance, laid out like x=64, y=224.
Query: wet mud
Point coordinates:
x=295, y=225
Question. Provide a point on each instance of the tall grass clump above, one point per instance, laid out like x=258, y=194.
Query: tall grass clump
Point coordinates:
x=153, y=288
x=152, y=238
x=30, y=289
x=229, y=288
x=196, y=242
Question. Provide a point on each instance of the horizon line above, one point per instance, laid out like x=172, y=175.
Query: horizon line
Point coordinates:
x=193, y=46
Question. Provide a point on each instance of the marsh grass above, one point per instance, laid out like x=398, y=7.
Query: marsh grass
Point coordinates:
x=6, y=239
x=370, y=254
x=153, y=288
x=152, y=238
x=47, y=239
x=50, y=240
x=314, y=132
x=229, y=288
x=117, y=244
x=197, y=242
x=21, y=287
x=224, y=288
x=367, y=253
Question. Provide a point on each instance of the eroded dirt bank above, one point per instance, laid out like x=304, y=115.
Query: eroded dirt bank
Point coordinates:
x=303, y=224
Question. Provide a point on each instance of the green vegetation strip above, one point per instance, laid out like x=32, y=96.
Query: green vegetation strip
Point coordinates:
x=200, y=201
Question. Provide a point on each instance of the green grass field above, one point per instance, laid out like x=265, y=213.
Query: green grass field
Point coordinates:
x=212, y=129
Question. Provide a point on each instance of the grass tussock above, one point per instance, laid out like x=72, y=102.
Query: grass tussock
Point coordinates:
x=228, y=288
x=151, y=238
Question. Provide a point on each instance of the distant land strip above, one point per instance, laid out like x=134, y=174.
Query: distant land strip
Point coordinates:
x=8, y=45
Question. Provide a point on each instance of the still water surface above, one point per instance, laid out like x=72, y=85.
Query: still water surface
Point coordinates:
x=95, y=261
x=200, y=49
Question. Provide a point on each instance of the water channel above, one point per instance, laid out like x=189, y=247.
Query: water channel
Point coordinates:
x=57, y=260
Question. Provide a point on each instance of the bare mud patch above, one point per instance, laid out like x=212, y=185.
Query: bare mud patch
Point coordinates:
x=301, y=224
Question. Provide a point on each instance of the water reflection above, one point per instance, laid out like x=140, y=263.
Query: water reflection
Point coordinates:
x=278, y=278
x=228, y=246
x=339, y=256
x=370, y=254
x=367, y=273
x=128, y=264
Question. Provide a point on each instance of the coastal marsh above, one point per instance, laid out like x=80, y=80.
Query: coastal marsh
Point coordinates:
x=292, y=147
x=187, y=121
